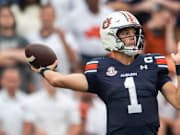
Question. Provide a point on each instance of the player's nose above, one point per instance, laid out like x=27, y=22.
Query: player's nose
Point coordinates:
x=131, y=33
x=132, y=37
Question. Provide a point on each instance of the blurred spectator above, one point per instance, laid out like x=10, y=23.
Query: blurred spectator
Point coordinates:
x=57, y=40
x=160, y=31
x=93, y=114
x=27, y=16
x=2, y=107
x=174, y=5
x=8, y=2
x=62, y=9
x=86, y=28
x=12, y=46
x=54, y=113
x=118, y=5
x=96, y=120
x=141, y=8
x=14, y=117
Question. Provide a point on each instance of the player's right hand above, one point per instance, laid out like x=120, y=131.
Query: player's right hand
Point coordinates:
x=176, y=57
x=52, y=67
x=36, y=69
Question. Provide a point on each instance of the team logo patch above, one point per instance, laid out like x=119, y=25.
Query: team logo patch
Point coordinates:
x=111, y=71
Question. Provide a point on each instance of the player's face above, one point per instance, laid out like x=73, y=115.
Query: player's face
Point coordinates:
x=128, y=36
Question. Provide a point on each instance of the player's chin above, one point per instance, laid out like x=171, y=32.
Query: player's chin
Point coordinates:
x=131, y=45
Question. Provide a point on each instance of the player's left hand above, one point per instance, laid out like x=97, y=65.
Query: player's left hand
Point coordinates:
x=176, y=57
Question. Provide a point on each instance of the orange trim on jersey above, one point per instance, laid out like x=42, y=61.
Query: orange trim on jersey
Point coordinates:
x=111, y=54
x=91, y=66
x=161, y=61
x=130, y=17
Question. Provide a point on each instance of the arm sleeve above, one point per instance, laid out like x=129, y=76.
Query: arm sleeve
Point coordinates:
x=91, y=73
x=162, y=79
x=163, y=71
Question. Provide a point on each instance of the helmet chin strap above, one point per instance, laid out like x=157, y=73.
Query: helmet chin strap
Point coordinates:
x=130, y=51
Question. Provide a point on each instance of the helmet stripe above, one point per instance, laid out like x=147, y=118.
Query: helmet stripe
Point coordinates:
x=130, y=17
x=124, y=16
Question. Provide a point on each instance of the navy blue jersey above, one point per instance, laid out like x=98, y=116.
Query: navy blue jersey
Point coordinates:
x=129, y=92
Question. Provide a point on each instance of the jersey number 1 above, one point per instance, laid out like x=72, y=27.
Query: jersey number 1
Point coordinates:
x=134, y=107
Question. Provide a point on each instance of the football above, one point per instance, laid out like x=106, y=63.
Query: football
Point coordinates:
x=40, y=55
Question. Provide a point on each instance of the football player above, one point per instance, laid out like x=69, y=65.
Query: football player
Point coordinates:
x=126, y=81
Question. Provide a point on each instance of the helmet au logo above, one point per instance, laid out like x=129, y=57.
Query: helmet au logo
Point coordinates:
x=106, y=23
x=111, y=71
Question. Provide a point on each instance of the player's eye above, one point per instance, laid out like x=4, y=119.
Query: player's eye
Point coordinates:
x=125, y=33
x=134, y=32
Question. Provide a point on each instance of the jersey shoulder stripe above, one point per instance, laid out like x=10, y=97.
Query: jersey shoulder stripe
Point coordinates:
x=161, y=61
x=91, y=66
x=92, y=62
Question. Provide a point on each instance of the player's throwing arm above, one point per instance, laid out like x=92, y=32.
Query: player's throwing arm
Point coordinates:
x=43, y=60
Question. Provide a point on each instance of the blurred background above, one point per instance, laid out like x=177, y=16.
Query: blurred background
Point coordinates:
x=29, y=105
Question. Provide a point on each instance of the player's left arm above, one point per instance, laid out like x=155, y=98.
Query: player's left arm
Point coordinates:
x=169, y=90
x=172, y=93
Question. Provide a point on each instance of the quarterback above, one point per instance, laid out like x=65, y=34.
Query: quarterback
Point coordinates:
x=127, y=82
